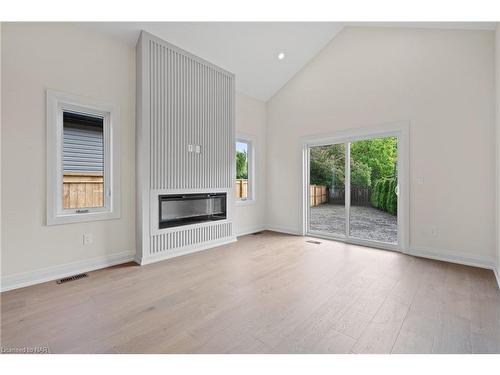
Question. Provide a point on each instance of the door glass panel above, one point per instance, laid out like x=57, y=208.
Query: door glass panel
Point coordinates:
x=327, y=190
x=373, y=208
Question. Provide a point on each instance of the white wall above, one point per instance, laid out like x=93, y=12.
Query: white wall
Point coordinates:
x=73, y=59
x=497, y=188
x=251, y=121
x=0, y=143
x=442, y=81
x=63, y=57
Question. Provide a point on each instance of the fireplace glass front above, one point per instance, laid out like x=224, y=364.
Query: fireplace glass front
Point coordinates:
x=184, y=209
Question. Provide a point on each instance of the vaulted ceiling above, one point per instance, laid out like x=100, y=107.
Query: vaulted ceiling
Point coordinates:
x=250, y=49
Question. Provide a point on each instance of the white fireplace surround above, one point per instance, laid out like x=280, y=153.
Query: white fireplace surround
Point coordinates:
x=185, y=145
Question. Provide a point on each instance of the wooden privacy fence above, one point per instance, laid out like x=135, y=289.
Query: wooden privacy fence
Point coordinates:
x=337, y=195
x=83, y=191
x=241, y=188
x=360, y=196
x=319, y=194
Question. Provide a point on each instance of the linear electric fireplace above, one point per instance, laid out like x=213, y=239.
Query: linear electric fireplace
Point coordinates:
x=185, y=209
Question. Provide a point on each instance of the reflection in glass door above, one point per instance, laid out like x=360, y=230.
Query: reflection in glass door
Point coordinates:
x=373, y=190
x=327, y=190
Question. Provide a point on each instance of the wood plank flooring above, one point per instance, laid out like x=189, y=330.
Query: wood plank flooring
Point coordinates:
x=267, y=293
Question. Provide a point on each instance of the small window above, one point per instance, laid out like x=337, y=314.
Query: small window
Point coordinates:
x=244, y=170
x=82, y=157
x=83, y=161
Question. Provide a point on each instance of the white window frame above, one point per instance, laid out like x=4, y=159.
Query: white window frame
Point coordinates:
x=58, y=103
x=250, y=141
x=396, y=129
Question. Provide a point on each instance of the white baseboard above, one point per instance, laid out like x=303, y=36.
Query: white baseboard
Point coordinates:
x=497, y=275
x=283, y=229
x=251, y=230
x=452, y=257
x=21, y=280
x=53, y=273
x=184, y=251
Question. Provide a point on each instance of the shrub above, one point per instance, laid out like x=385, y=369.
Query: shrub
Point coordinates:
x=360, y=174
x=241, y=165
x=375, y=194
x=384, y=196
x=391, y=204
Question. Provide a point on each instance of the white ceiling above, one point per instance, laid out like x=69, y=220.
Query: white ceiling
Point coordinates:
x=250, y=49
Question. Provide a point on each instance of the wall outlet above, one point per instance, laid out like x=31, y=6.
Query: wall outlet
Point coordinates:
x=420, y=180
x=197, y=149
x=87, y=238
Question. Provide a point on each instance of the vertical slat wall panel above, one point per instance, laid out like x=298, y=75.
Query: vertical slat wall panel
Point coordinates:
x=188, y=237
x=190, y=105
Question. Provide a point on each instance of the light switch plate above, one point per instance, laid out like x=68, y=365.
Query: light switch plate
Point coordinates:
x=88, y=238
x=190, y=148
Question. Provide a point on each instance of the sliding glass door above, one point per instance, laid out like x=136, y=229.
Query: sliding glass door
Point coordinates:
x=373, y=190
x=353, y=190
x=327, y=190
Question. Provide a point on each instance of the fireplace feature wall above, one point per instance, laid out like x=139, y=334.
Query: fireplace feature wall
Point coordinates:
x=185, y=152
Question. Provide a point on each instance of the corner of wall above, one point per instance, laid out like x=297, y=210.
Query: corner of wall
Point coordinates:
x=497, y=150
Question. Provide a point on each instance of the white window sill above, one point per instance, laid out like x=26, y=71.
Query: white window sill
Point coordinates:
x=82, y=218
x=245, y=202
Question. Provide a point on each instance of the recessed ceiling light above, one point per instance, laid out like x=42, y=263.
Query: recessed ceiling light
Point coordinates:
x=281, y=56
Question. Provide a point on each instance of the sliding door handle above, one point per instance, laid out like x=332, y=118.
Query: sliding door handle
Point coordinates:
x=396, y=190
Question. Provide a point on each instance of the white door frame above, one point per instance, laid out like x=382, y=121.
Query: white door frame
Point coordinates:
x=401, y=130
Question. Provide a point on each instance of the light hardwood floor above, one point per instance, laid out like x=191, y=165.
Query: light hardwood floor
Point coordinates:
x=267, y=293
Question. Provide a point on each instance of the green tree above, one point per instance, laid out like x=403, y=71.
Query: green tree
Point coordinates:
x=241, y=165
x=373, y=165
x=327, y=165
x=380, y=154
x=360, y=174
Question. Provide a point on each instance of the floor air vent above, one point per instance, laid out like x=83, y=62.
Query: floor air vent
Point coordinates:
x=314, y=242
x=71, y=278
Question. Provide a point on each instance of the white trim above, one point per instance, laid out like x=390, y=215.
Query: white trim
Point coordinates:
x=401, y=130
x=53, y=273
x=451, y=256
x=250, y=141
x=356, y=241
x=251, y=230
x=42, y=275
x=245, y=202
x=497, y=276
x=421, y=252
x=184, y=251
x=284, y=229
x=57, y=103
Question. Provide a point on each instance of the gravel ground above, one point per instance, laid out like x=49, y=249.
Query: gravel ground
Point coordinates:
x=366, y=222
